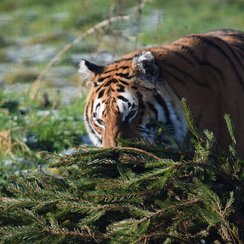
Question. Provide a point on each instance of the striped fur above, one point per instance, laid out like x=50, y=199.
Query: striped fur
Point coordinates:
x=145, y=86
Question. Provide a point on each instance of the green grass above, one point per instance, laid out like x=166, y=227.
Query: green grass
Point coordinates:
x=32, y=130
x=179, y=18
x=57, y=127
x=21, y=75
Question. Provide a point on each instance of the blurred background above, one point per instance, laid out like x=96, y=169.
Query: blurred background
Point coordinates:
x=32, y=32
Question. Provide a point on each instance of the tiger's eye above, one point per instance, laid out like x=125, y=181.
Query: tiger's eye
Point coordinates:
x=100, y=122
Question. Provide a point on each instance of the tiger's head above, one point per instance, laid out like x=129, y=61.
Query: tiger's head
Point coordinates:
x=129, y=99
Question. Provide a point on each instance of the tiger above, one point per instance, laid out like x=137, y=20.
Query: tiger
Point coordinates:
x=129, y=95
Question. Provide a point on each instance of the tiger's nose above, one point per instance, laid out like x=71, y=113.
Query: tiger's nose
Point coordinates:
x=110, y=138
x=109, y=142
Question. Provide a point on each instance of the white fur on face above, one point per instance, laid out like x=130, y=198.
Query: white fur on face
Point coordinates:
x=125, y=106
x=179, y=123
x=98, y=108
x=94, y=138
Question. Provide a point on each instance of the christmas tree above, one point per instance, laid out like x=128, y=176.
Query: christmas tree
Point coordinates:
x=145, y=194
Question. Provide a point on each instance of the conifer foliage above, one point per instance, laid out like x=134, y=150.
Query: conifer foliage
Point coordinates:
x=146, y=194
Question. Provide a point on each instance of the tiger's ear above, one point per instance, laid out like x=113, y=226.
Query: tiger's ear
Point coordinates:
x=146, y=68
x=88, y=70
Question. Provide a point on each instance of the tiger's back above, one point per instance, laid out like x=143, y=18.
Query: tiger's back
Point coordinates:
x=147, y=85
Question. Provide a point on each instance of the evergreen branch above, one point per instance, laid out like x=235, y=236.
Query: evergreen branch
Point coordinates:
x=159, y=150
x=130, y=224
x=126, y=195
x=76, y=232
x=148, y=176
x=9, y=204
x=159, y=176
x=91, y=207
x=17, y=234
x=155, y=235
x=137, y=150
x=212, y=201
x=87, y=158
x=178, y=206
x=189, y=119
x=230, y=127
x=232, y=180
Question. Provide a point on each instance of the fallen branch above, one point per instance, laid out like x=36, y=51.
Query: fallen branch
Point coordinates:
x=33, y=91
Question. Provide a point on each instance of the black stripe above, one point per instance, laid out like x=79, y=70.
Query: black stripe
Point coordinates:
x=175, y=77
x=213, y=67
x=109, y=90
x=168, y=125
x=186, y=74
x=140, y=101
x=240, y=48
x=86, y=111
x=89, y=125
x=120, y=88
x=100, y=94
x=122, y=98
x=101, y=79
x=124, y=82
x=92, y=103
x=151, y=106
x=174, y=67
x=236, y=56
x=178, y=54
x=108, y=83
x=117, y=68
x=198, y=61
x=141, y=106
x=98, y=105
x=212, y=44
x=161, y=102
x=240, y=37
x=186, y=48
x=121, y=60
x=99, y=88
x=228, y=46
x=125, y=75
x=131, y=114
